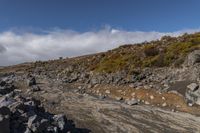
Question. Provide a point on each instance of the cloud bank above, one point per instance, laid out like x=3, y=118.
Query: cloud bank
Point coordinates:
x=22, y=47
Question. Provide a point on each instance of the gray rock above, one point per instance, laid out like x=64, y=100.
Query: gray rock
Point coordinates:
x=60, y=121
x=102, y=97
x=193, y=57
x=6, y=101
x=131, y=102
x=28, y=130
x=94, y=81
x=119, y=98
x=33, y=123
x=193, y=86
x=7, y=88
x=192, y=97
x=35, y=88
x=31, y=81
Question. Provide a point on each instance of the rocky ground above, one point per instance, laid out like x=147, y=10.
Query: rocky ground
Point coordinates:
x=94, y=94
x=28, y=104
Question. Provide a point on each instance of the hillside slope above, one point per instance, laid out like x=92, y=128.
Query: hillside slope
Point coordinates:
x=160, y=76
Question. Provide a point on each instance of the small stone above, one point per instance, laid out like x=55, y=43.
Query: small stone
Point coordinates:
x=146, y=87
x=163, y=98
x=79, y=87
x=107, y=91
x=151, y=86
x=146, y=102
x=97, y=91
x=133, y=94
x=119, y=90
x=102, y=97
x=35, y=88
x=119, y=98
x=132, y=85
x=151, y=97
x=131, y=102
x=164, y=104
x=190, y=104
x=89, y=86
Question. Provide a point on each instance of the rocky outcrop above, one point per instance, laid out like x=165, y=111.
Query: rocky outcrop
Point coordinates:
x=20, y=114
x=192, y=95
x=193, y=57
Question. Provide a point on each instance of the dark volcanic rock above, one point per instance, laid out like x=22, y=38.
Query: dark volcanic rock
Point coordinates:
x=35, y=88
x=5, y=120
x=60, y=121
x=31, y=81
x=6, y=88
x=19, y=114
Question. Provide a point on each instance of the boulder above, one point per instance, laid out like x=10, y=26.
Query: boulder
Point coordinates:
x=193, y=57
x=193, y=86
x=7, y=88
x=31, y=81
x=5, y=120
x=60, y=121
x=4, y=124
x=192, y=95
x=2, y=83
x=25, y=114
x=6, y=101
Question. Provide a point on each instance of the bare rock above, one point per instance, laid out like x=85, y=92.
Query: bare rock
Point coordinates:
x=35, y=88
x=193, y=57
x=60, y=121
x=31, y=81
x=119, y=98
x=193, y=86
x=107, y=91
x=131, y=102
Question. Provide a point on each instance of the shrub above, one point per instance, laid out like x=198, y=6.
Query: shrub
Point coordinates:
x=150, y=50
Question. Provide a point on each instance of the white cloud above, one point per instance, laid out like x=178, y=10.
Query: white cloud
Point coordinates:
x=21, y=47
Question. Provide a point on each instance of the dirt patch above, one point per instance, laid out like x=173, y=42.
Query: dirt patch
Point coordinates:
x=168, y=100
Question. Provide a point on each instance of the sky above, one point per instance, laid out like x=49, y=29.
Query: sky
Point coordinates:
x=33, y=30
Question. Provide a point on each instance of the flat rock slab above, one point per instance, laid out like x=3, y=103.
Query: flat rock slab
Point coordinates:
x=105, y=116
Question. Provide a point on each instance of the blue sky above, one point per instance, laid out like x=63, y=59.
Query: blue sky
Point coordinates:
x=85, y=15
x=33, y=30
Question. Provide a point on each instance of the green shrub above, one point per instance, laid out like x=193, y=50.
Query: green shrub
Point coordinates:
x=150, y=50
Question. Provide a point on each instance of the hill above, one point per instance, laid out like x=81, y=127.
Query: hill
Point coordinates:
x=158, y=75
